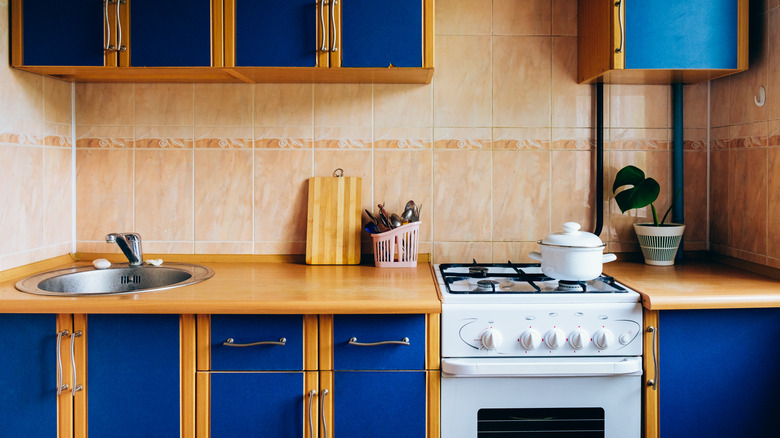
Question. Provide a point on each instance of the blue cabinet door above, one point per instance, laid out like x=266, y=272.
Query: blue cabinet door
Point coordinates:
x=133, y=375
x=276, y=34
x=378, y=34
x=57, y=32
x=257, y=404
x=379, y=404
x=718, y=373
x=28, y=375
x=171, y=33
x=673, y=34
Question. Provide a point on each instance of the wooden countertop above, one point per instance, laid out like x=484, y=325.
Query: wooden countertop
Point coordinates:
x=696, y=284
x=257, y=287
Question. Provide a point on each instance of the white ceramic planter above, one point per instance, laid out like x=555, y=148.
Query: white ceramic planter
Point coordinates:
x=659, y=244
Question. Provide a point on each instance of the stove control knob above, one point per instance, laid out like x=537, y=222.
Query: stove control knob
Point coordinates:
x=579, y=339
x=603, y=339
x=491, y=339
x=555, y=338
x=530, y=339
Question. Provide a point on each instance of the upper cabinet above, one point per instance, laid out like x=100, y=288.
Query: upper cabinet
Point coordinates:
x=225, y=40
x=661, y=41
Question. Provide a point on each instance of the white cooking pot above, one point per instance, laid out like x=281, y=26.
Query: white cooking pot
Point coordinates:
x=572, y=255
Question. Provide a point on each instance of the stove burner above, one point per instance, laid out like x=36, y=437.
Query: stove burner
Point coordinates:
x=571, y=286
x=487, y=285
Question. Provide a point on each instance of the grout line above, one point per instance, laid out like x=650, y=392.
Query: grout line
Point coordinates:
x=73, y=197
x=709, y=173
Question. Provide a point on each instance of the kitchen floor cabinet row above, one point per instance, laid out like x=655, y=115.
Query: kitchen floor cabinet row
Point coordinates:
x=224, y=40
x=220, y=375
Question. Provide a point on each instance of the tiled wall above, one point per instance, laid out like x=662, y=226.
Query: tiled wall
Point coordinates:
x=35, y=163
x=498, y=150
x=745, y=149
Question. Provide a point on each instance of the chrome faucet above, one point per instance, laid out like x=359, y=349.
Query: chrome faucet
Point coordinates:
x=130, y=244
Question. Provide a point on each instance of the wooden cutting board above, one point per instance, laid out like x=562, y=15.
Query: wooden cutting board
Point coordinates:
x=333, y=220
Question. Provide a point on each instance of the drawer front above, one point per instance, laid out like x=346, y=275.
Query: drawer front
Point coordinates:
x=369, y=329
x=251, y=329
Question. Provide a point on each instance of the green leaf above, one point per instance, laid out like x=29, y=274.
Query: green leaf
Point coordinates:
x=628, y=176
x=642, y=194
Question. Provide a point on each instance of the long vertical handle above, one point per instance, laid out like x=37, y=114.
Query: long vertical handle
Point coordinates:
x=76, y=386
x=619, y=4
x=324, y=47
x=119, y=46
x=60, y=386
x=311, y=394
x=322, y=413
x=333, y=46
x=107, y=28
x=654, y=381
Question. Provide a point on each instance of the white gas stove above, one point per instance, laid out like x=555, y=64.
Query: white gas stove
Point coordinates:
x=521, y=351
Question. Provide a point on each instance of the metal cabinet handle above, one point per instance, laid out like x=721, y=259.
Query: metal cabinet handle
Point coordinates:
x=76, y=386
x=619, y=5
x=229, y=342
x=60, y=386
x=654, y=381
x=107, y=27
x=311, y=395
x=333, y=47
x=322, y=413
x=120, y=47
x=353, y=341
x=324, y=47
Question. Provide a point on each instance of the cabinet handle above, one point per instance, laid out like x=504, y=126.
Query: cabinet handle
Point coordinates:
x=108, y=46
x=654, y=381
x=120, y=47
x=619, y=4
x=229, y=342
x=311, y=394
x=60, y=386
x=333, y=47
x=322, y=413
x=76, y=386
x=353, y=341
x=324, y=47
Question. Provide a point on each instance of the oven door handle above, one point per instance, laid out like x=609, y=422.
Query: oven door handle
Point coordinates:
x=541, y=367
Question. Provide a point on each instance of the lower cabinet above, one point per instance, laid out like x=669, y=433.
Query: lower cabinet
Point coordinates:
x=717, y=373
x=315, y=376
x=124, y=370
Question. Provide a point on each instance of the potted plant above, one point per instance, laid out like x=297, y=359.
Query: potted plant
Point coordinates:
x=659, y=241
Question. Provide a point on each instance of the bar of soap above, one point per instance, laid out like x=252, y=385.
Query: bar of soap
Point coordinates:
x=101, y=264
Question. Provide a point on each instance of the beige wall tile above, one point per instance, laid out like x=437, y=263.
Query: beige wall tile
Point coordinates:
x=281, y=194
x=403, y=105
x=695, y=196
x=223, y=104
x=462, y=60
x=463, y=17
x=462, y=138
x=403, y=138
x=748, y=200
x=773, y=65
x=720, y=98
x=521, y=138
x=164, y=195
x=564, y=17
x=224, y=248
x=639, y=106
x=695, y=105
x=571, y=103
x=104, y=193
x=57, y=101
x=573, y=189
x=528, y=17
x=57, y=199
x=521, y=195
x=773, y=204
x=163, y=104
x=164, y=137
x=461, y=195
x=342, y=105
x=284, y=105
x=22, y=215
x=104, y=104
x=460, y=252
x=516, y=252
x=223, y=194
x=521, y=81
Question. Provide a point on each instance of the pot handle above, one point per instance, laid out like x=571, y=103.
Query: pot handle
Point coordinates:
x=606, y=258
x=535, y=255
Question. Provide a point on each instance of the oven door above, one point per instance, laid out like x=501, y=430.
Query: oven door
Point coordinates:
x=541, y=397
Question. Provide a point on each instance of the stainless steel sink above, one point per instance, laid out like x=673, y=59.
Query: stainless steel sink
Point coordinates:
x=118, y=279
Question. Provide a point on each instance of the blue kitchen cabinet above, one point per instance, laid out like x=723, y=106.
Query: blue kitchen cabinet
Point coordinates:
x=28, y=375
x=718, y=373
x=661, y=41
x=90, y=33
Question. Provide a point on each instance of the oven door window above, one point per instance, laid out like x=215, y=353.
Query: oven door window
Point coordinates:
x=541, y=422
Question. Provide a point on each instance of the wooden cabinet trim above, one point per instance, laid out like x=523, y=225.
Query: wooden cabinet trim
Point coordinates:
x=651, y=398
x=187, y=356
x=203, y=342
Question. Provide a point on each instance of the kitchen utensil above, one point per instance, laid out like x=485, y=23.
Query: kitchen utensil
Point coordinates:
x=396, y=220
x=384, y=217
x=374, y=219
x=333, y=221
x=409, y=211
x=572, y=255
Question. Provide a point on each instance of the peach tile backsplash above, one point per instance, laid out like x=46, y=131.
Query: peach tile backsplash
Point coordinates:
x=498, y=150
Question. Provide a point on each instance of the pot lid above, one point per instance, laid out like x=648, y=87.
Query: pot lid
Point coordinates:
x=571, y=236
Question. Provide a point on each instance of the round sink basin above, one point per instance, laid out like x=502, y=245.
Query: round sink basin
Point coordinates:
x=118, y=279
